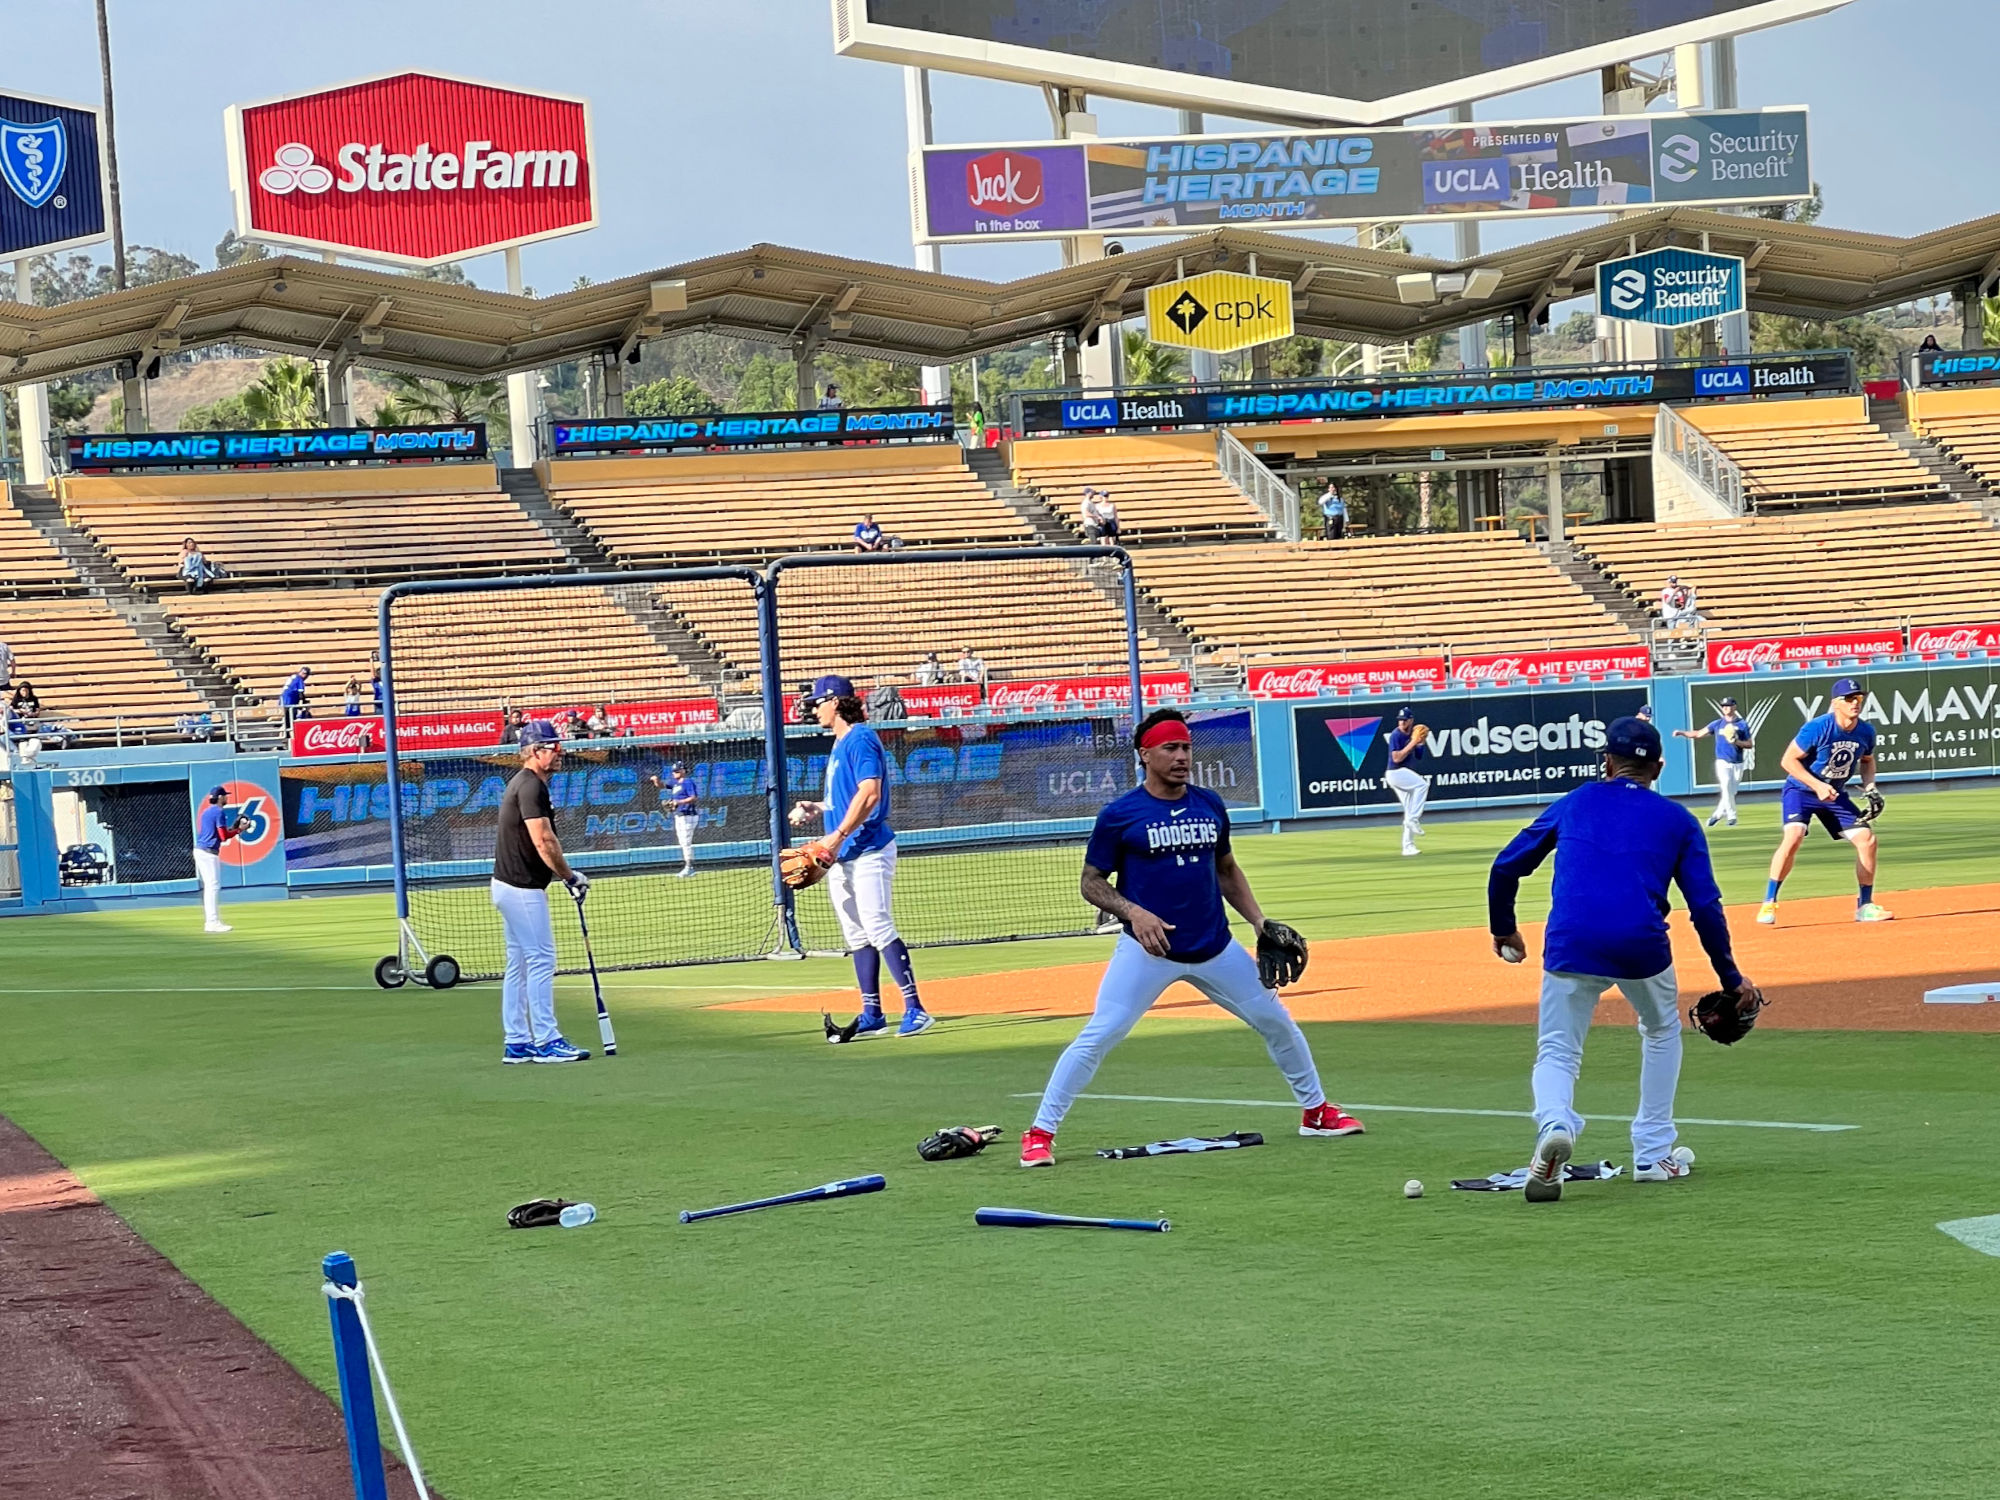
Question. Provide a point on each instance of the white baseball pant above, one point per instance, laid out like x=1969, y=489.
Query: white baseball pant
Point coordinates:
x=860, y=889
x=1411, y=790
x=684, y=826
x=528, y=989
x=209, y=868
x=1568, y=1002
x=1134, y=979
x=1728, y=776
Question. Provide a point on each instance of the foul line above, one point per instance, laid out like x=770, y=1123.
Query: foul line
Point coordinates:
x=316, y=989
x=1422, y=1109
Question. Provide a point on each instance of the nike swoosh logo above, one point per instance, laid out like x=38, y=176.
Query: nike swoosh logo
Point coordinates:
x=1177, y=812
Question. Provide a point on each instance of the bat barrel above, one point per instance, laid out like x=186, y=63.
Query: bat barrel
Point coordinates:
x=849, y=1188
x=1028, y=1218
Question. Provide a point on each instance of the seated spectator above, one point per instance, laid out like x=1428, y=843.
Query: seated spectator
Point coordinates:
x=1677, y=606
x=930, y=671
x=195, y=570
x=884, y=701
x=868, y=536
x=1930, y=345
x=197, y=727
x=510, y=729
x=350, y=699
x=599, y=723
x=970, y=667
x=1332, y=515
x=1100, y=516
x=292, y=699
x=26, y=702
x=831, y=400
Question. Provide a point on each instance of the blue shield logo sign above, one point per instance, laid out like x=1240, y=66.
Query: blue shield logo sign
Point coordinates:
x=32, y=159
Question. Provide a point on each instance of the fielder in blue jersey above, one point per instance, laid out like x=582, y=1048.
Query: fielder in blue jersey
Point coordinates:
x=1618, y=845
x=1167, y=844
x=854, y=812
x=1823, y=757
x=678, y=791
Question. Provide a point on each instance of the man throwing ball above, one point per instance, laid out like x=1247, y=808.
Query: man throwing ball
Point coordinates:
x=1168, y=845
x=1411, y=786
x=677, y=790
x=1827, y=753
x=1617, y=844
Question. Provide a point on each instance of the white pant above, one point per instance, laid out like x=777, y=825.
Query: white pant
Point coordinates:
x=860, y=889
x=528, y=990
x=1134, y=979
x=1728, y=776
x=209, y=868
x=1568, y=1000
x=684, y=827
x=1411, y=790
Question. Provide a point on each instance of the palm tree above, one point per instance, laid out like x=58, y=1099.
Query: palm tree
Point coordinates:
x=1148, y=363
x=285, y=395
x=412, y=399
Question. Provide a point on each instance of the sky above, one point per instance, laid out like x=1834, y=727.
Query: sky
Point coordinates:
x=724, y=125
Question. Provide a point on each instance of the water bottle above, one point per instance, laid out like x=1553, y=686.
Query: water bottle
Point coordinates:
x=577, y=1215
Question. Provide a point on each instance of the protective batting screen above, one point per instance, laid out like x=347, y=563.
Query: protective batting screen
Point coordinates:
x=1000, y=683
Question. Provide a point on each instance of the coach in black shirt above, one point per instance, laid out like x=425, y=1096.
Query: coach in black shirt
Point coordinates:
x=526, y=858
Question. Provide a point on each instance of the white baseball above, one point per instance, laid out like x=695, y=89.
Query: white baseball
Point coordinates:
x=1684, y=1155
x=1413, y=1189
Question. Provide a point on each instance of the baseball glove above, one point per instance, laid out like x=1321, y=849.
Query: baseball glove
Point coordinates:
x=801, y=865
x=1281, y=956
x=538, y=1214
x=1872, y=805
x=1420, y=734
x=1726, y=1016
x=955, y=1141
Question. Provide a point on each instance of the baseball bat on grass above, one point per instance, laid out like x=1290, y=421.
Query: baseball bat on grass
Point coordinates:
x=849, y=1188
x=1028, y=1218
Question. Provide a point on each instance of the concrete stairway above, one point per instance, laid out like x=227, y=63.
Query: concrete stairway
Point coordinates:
x=524, y=488
x=1959, y=482
x=1603, y=590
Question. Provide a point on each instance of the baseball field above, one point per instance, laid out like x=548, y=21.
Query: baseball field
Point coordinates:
x=1789, y=1321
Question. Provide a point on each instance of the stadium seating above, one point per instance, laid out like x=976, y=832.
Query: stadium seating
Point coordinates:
x=1973, y=439
x=1374, y=597
x=750, y=507
x=298, y=528
x=91, y=670
x=1166, y=490
x=459, y=651
x=1825, y=569
x=1796, y=453
x=29, y=561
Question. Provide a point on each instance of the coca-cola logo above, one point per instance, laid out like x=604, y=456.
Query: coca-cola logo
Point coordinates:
x=1497, y=670
x=1300, y=680
x=1003, y=182
x=1025, y=695
x=1965, y=638
x=335, y=736
x=1747, y=655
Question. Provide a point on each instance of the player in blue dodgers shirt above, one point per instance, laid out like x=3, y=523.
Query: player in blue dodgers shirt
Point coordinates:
x=861, y=883
x=1618, y=844
x=1823, y=757
x=1406, y=753
x=678, y=792
x=1734, y=750
x=217, y=825
x=1167, y=842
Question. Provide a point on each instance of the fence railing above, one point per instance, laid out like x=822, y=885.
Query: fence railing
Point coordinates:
x=1705, y=465
x=1266, y=490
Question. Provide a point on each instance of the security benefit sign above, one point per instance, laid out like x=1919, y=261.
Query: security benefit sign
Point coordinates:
x=1931, y=720
x=1483, y=745
x=1220, y=311
x=1670, y=288
x=51, y=176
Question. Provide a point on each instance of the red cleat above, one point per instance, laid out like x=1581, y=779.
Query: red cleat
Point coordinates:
x=1330, y=1119
x=1038, y=1149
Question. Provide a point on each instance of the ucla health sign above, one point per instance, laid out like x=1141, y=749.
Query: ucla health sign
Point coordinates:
x=51, y=176
x=1670, y=288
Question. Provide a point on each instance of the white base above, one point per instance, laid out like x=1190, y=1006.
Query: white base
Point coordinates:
x=1964, y=994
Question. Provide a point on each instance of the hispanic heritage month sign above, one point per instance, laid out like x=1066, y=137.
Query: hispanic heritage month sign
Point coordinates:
x=278, y=447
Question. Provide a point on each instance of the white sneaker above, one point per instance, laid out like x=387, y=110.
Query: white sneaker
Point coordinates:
x=217, y=927
x=1411, y=849
x=1666, y=1169
x=1545, y=1171
x=686, y=873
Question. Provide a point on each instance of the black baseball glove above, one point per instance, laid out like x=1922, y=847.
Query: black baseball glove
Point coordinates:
x=1726, y=1016
x=1872, y=804
x=539, y=1214
x=957, y=1140
x=1281, y=955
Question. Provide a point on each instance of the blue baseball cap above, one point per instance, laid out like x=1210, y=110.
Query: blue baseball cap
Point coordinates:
x=1725, y=703
x=1846, y=687
x=539, y=732
x=1405, y=712
x=829, y=686
x=1645, y=710
x=1634, y=739
x=679, y=765
x=218, y=794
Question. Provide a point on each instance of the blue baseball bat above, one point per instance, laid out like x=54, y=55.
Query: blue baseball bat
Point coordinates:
x=1028, y=1218
x=847, y=1189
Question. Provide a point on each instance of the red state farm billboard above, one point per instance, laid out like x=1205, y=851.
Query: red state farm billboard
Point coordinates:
x=1760, y=653
x=415, y=168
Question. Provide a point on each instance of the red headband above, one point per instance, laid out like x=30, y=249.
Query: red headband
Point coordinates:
x=1166, y=732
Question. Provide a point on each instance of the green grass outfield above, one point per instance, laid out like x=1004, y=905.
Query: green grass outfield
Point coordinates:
x=1788, y=1323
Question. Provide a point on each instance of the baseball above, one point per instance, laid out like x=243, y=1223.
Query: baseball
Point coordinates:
x=1684, y=1155
x=1413, y=1189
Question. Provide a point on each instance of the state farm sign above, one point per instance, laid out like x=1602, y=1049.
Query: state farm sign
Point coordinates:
x=1761, y=653
x=415, y=168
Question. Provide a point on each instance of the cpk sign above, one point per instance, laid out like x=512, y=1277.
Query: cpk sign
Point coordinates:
x=1532, y=666
x=1313, y=678
x=1762, y=653
x=1953, y=640
x=415, y=168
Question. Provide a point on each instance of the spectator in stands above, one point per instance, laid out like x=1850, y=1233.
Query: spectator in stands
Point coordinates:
x=885, y=702
x=197, y=727
x=292, y=699
x=599, y=723
x=1930, y=345
x=1100, y=516
x=26, y=702
x=510, y=728
x=831, y=400
x=868, y=536
x=977, y=420
x=196, y=571
x=1332, y=515
x=1677, y=606
x=375, y=686
x=350, y=699
x=930, y=671
x=970, y=667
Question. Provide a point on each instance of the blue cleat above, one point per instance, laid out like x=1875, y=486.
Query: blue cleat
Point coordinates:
x=869, y=1022
x=916, y=1023
x=557, y=1050
x=518, y=1052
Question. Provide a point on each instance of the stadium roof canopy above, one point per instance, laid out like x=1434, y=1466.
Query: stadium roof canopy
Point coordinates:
x=779, y=295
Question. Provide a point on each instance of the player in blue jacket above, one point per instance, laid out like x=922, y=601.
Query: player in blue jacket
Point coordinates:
x=1618, y=844
x=1823, y=757
x=678, y=791
x=217, y=825
x=1167, y=842
x=1411, y=786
